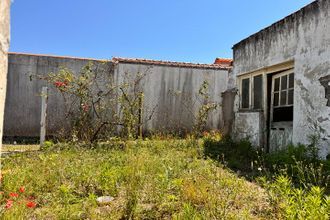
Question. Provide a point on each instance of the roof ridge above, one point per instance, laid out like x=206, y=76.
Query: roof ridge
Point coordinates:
x=57, y=56
x=170, y=63
x=282, y=20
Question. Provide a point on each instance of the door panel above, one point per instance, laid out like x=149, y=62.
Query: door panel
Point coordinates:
x=280, y=135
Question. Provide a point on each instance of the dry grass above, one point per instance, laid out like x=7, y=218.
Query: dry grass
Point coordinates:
x=148, y=179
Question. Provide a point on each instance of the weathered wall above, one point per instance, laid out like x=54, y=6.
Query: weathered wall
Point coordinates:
x=305, y=38
x=228, y=101
x=173, y=93
x=248, y=125
x=23, y=103
x=4, y=46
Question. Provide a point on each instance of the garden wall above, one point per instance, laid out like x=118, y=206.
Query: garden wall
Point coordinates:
x=23, y=103
x=4, y=46
x=170, y=93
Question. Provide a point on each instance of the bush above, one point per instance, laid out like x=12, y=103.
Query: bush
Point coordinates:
x=297, y=162
x=296, y=180
x=301, y=165
x=235, y=155
x=297, y=203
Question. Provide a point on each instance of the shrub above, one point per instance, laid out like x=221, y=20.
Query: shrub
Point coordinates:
x=235, y=155
x=96, y=107
x=300, y=164
x=297, y=203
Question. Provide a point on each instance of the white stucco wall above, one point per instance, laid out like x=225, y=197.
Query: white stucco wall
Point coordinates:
x=303, y=37
x=23, y=102
x=173, y=91
x=248, y=125
x=4, y=46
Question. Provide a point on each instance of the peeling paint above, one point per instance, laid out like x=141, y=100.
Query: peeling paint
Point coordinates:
x=321, y=119
x=303, y=37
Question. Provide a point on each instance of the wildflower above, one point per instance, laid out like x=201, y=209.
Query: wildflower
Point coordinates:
x=205, y=133
x=9, y=204
x=31, y=204
x=13, y=194
x=22, y=189
x=259, y=168
x=60, y=84
x=85, y=107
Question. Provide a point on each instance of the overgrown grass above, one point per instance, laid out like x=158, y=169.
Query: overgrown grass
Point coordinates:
x=148, y=179
x=297, y=182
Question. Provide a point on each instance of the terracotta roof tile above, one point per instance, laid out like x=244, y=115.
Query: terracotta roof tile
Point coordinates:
x=139, y=61
x=170, y=63
x=224, y=61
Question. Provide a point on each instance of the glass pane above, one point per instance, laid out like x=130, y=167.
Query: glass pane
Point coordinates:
x=291, y=80
x=283, y=98
x=257, y=92
x=284, y=82
x=276, y=99
x=245, y=93
x=290, y=97
x=277, y=84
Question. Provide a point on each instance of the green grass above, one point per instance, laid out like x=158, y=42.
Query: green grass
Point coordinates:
x=296, y=180
x=149, y=180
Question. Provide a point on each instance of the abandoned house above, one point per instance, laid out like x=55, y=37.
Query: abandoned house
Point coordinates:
x=283, y=78
x=275, y=92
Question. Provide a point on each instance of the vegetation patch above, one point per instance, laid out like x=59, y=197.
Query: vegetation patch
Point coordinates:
x=148, y=180
x=296, y=180
x=208, y=178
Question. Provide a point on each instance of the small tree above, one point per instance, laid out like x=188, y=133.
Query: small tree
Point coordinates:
x=95, y=107
x=206, y=107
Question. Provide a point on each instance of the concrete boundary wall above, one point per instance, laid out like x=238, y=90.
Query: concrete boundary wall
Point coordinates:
x=23, y=102
x=170, y=90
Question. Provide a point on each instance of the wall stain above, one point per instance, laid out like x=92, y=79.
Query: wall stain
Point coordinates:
x=321, y=119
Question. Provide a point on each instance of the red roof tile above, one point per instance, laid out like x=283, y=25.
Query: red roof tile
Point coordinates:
x=224, y=61
x=223, y=66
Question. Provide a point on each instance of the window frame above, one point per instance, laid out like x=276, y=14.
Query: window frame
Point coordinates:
x=241, y=91
x=251, y=91
x=279, y=76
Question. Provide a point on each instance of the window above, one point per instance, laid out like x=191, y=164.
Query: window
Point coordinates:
x=283, y=88
x=246, y=93
x=257, y=92
x=252, y=92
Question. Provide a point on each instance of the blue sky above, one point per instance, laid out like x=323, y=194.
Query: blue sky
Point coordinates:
x=177, y=30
